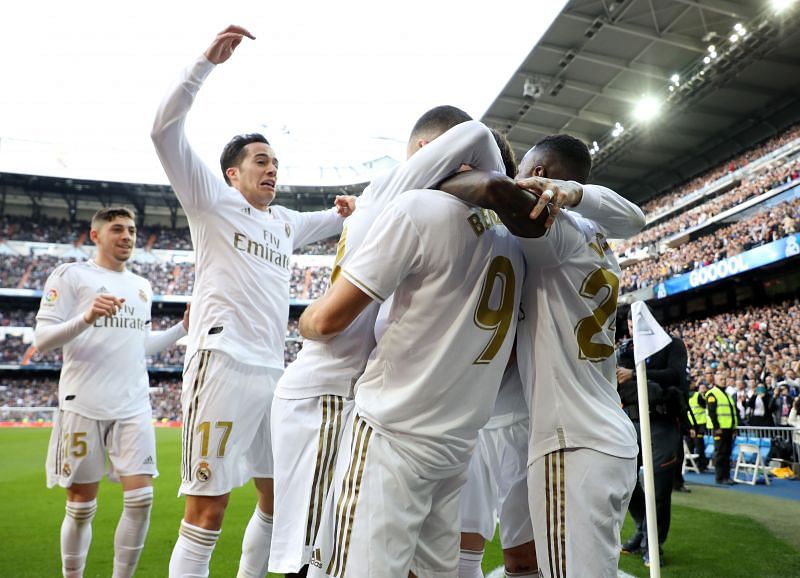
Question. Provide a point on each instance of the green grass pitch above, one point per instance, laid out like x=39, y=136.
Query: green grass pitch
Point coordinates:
x=715, y=533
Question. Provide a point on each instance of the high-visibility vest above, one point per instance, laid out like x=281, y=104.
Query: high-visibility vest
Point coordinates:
x=726, y=412
x=698, y=411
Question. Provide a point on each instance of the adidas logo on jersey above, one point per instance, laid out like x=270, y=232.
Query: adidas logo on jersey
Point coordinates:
x=246, y=210
x=101, y=289
x=316, y=558
x=148, y=461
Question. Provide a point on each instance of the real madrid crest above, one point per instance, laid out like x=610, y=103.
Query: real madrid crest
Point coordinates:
x=142, y=295
x=66, y=470
x=203, y=472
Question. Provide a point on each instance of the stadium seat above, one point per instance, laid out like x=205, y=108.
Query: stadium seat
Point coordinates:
x=750, y=471
x=689, y=460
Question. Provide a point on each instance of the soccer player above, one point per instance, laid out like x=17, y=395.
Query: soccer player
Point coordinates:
x=236, y=341
x=99, y=312
x=313, y=399
x=565, y=351
x=427, y=388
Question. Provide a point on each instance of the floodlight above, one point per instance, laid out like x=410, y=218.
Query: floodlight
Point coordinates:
x=675, y=79
x=781, y=5
x=712, y=48
x=734, y=37
x=618, y=130
x=647, y=108
x=707, y=59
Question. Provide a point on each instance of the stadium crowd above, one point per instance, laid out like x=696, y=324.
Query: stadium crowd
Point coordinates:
x=754, y=354
x=764, y=227
x=765, y=181
x=62, y=231
x=663, y=203
x=166, y=278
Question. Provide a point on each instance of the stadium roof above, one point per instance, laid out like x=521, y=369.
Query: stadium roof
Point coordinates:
x=737, y=64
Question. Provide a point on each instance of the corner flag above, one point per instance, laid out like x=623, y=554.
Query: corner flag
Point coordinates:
x=648, y=336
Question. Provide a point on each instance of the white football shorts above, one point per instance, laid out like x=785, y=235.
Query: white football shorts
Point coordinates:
x=306, y=434
x=79, y=446
x=497, y=486
x=226, y=437
x=578, y=500
x=382, y=519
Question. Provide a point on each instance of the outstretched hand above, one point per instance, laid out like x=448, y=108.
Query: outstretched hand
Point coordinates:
x=225, y=43
x=552, y=192
x=345, y=205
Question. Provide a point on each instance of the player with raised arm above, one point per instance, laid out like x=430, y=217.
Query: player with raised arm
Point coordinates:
x=313, y=399
x=99, y=312
x=241, y=293
x=565, y=351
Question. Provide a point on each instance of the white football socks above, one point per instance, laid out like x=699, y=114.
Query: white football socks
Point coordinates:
x=469, y=564
x=76, y=536
x=131, y=530
x=255, y=546
x=192, y=553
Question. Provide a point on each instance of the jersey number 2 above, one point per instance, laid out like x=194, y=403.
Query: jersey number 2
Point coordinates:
x=597, y=281
x=497, y=320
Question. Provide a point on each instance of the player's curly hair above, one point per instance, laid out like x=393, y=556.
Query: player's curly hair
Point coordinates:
x=572, y=154
x=509, y=158
x=233, y=154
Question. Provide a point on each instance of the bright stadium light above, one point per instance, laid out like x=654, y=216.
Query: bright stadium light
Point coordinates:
x=675, y=79
x=707, y=59
x=781, y=5
x=647, y=108
x=734, y=37
x=618, y=130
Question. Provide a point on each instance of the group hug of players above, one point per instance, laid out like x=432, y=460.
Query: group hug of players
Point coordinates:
x=459, y=368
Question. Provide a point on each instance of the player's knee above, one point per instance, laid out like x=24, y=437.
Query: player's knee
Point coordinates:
x=520, y=558
x=206, y=511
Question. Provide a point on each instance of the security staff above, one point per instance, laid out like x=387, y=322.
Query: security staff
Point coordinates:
x=722, y=420
x=667, y=386
x=697, y=411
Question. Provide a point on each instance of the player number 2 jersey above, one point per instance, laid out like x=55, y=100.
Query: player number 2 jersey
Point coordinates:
x=565, y=342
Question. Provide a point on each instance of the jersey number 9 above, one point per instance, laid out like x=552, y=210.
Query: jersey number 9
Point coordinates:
x=497, y=320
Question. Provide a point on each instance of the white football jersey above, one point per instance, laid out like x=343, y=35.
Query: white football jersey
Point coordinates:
x=456, y=277
x=104, y=374
x=240, y=301
x=333, y=366
x=510, y=406
x=565, y=341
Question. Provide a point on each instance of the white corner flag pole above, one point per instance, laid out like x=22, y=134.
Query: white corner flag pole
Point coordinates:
x=648, y=338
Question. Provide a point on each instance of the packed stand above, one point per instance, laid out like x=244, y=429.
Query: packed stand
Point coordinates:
x=754, y=354
x=765, y=227
x=664, y=202
x=765, y=182
x=166, y=278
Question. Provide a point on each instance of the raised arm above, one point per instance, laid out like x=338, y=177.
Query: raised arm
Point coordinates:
x=194, y=183
x=469, y=143
x=615, y=216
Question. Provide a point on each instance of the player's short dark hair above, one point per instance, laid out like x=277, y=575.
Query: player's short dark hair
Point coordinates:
x=438, y=120
x=233, y=154
x=572, y=154
x=108, y=214
x=509, y=158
